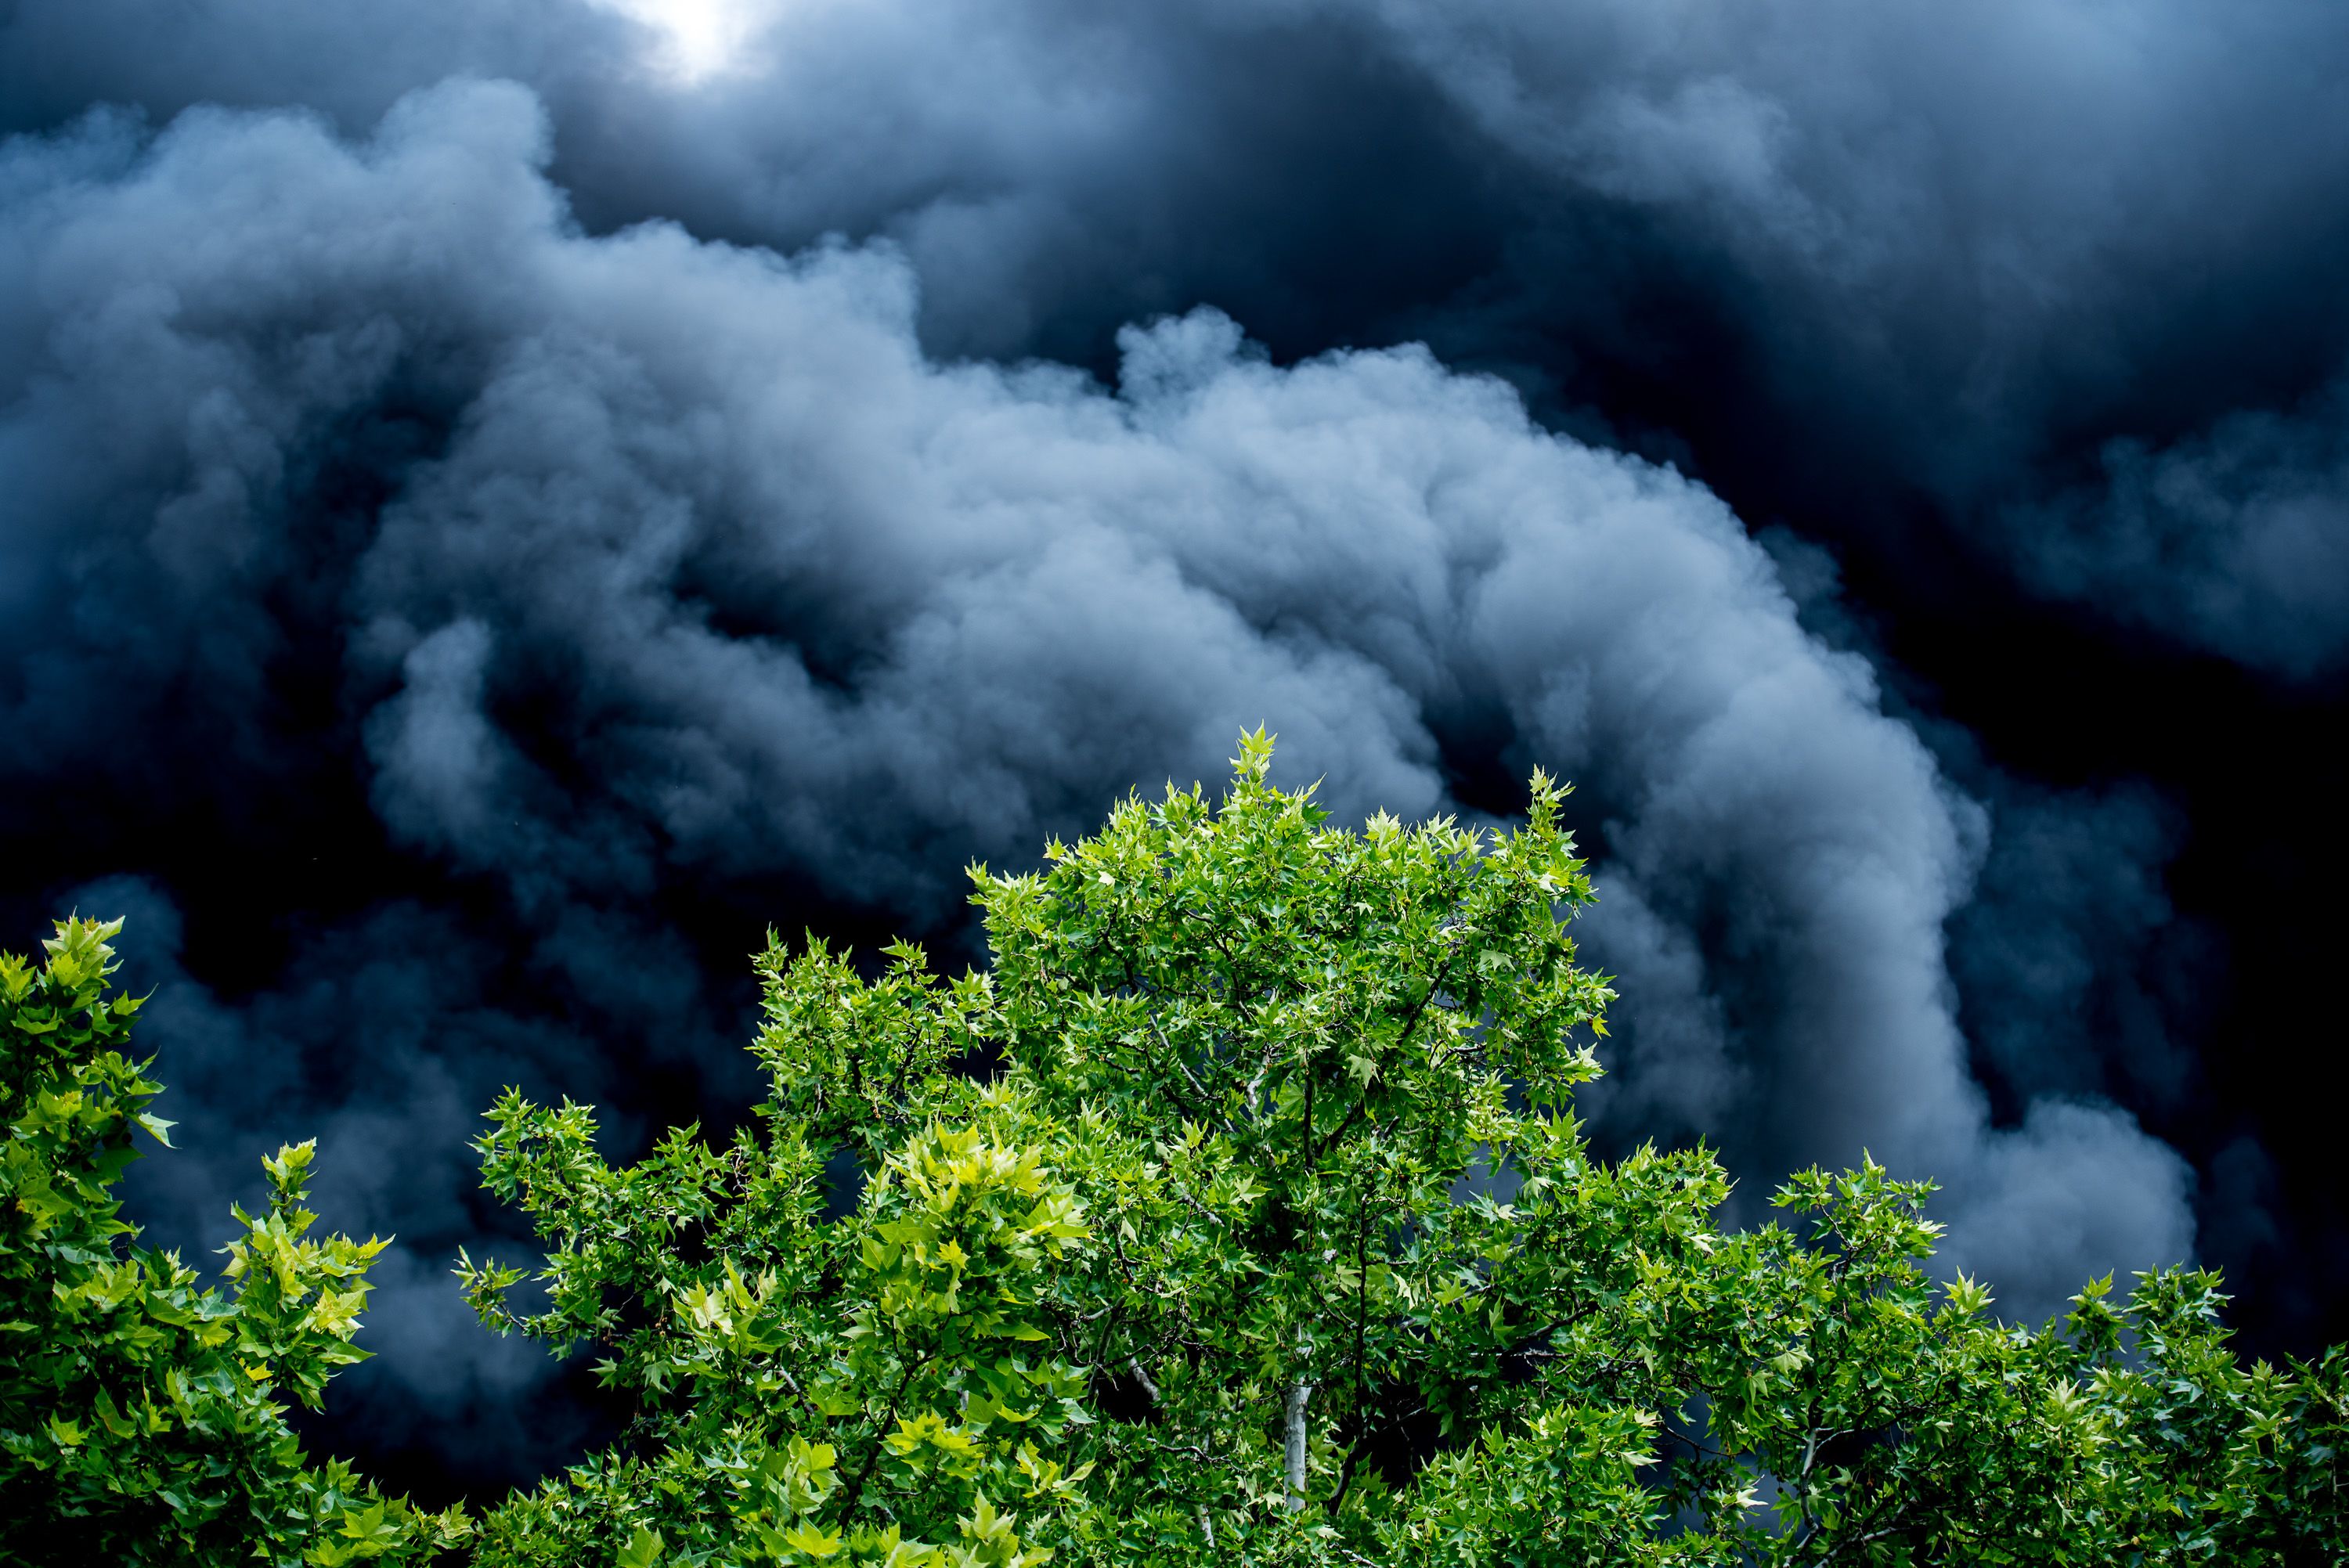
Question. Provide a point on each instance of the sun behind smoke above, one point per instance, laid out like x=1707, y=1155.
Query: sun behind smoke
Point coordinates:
x=701, y=38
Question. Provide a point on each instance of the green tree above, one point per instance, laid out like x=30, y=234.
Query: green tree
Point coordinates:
x=1238, y=1213
x=139, y=1413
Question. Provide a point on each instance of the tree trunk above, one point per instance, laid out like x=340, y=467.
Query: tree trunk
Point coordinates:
x=1295, y=1452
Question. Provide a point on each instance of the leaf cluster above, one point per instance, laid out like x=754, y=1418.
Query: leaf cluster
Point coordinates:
x=141, y=1419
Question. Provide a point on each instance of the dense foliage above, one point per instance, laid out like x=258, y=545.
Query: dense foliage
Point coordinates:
x=139, y=1413
x=1238, y=1214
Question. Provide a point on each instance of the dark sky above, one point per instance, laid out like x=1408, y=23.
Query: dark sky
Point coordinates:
x=492, y=520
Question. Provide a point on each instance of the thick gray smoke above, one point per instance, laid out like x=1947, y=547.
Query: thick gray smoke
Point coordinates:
x=1989, y=233
x=1968, y=248
x=2237, y=537
x=705, y=569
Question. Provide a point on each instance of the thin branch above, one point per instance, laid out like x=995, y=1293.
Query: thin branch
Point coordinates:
x=1411, y=1023
x=880, y=1439
x=1206, y=1101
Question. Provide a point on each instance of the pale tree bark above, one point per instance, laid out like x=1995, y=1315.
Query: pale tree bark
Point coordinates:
x=1295, y=1452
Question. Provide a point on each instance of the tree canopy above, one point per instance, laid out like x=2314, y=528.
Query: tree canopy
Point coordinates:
x=1237, y=1212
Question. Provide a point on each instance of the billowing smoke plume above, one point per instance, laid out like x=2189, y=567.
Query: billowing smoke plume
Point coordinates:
x=686, y=565
x=472, y=554
x=1968, y=251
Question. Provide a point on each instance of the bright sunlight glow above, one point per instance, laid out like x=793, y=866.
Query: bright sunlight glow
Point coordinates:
x=700, y=38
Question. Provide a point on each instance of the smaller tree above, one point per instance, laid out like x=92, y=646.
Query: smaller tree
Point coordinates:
x=139, y=1413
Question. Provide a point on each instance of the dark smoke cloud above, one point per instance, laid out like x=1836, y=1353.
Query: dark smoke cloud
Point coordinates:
x=382, y=1042
x=1987, y=237
x=2236, y=537
x=535, y=597
x=1965, y=251
x=703, y=568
